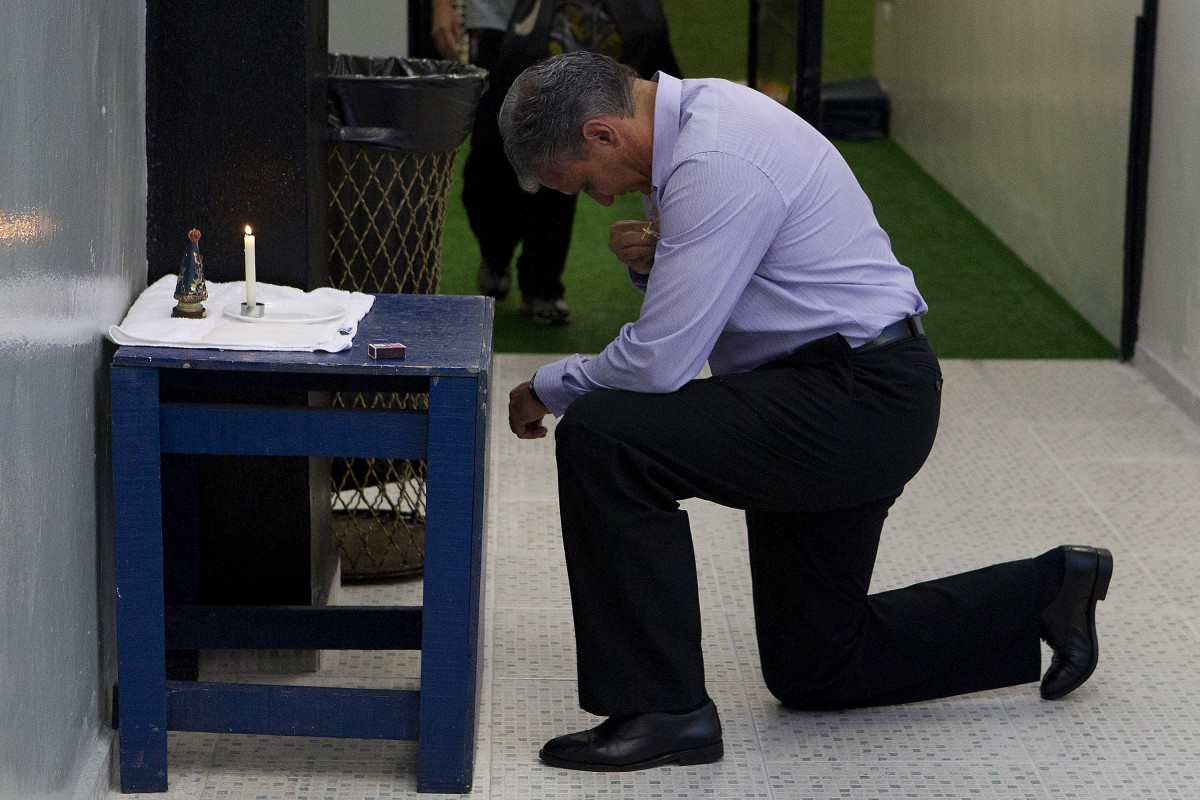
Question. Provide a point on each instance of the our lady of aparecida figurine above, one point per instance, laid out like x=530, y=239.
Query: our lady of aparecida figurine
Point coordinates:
x=191, y=289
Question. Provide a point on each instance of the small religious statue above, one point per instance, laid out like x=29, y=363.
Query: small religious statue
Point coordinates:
x=191, y=289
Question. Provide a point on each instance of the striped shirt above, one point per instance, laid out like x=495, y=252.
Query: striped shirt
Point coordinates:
x=767, y=243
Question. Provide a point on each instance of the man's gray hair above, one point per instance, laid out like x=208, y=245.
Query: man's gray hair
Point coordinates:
x=543, y=114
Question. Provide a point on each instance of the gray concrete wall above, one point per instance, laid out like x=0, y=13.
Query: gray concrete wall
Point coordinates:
x=369, y=27
x=72, y=257
x=1020, y=109
x=1168, y=347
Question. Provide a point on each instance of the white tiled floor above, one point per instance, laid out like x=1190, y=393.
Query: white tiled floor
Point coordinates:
x=1031, y=454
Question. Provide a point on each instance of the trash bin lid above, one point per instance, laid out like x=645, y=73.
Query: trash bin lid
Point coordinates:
x=404, y=104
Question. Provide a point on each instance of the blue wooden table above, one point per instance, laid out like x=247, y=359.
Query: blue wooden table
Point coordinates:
x=449, y=353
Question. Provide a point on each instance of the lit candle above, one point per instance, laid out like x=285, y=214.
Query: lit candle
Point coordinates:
x=250, y=281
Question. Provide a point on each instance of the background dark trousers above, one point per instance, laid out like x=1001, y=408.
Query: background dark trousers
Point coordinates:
x=815, y=448
x=501, y=213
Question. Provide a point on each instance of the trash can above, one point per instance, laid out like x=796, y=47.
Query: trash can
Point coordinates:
x=395, y=126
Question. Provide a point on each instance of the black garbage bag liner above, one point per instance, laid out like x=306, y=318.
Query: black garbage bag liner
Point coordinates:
x=409, y=105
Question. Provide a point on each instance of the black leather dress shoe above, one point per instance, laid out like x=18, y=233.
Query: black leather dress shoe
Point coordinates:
x=1069, y=621
x=638, y=741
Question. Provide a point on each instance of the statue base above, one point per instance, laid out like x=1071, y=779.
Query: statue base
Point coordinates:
x=193, y=311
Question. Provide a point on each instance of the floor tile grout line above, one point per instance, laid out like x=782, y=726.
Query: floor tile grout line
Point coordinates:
x=724, y=610
x=1031, y=761
x=758, y=745
x=1113, y=530
x=1135, y=460
x=975, y=762
x=489, y=631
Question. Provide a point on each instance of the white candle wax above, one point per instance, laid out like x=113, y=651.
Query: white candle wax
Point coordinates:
x=251, y=289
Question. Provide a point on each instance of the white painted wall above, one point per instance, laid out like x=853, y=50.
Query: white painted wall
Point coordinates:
x=1168, y=346
x=1020, y=109
x=72, y=258
x=369, y=27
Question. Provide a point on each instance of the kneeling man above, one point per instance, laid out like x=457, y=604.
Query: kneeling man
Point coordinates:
x=761, y=255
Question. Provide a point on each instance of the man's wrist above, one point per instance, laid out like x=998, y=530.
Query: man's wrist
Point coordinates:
x=533, y=392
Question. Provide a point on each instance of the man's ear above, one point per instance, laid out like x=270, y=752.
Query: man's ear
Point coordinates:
x=600, y=131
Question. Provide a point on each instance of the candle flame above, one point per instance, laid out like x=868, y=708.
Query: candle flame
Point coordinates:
x=248, y=231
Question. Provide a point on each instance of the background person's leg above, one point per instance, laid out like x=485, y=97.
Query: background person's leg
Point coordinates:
x=545, y=239
x=494, y=202
x=496, y=205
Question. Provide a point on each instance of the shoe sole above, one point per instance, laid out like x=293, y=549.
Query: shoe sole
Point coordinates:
x=548, y=320
x=497, y=286
x=684, y=758
x=1104, y=571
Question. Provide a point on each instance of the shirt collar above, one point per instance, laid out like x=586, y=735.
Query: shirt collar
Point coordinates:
x=666, y=125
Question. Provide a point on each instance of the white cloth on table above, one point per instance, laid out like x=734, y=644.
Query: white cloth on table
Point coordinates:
x=149, y=322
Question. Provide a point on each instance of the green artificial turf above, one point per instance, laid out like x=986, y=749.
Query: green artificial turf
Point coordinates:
x=984, y=302
x=709, y=37
x=848, y=46
x=598, y=289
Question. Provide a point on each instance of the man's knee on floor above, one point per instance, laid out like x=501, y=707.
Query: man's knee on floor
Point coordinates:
x=805, y=701
x=813, y=681
x=798, y=697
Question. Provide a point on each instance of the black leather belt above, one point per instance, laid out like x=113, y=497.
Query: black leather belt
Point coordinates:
x=907, y=328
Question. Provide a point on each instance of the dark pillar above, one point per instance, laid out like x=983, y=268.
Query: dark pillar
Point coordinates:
x=1137, y=175
x=235, y=135
x=810, y=29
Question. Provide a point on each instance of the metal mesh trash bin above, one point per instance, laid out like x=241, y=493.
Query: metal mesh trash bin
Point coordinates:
x=395, y=126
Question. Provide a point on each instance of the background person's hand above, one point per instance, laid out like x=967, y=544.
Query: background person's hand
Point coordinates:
x=632, y=242
x=447, y=30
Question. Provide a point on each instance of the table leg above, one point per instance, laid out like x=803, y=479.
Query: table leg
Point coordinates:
x=141, y=646
x=181, y=550
x=452, y=598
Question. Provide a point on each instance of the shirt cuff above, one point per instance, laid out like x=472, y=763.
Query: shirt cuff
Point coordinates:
x=639, y=279
x=548, y=384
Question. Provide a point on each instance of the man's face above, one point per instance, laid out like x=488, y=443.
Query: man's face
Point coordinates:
x=601, y=174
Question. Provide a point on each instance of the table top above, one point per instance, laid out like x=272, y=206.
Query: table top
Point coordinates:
x=443, y=334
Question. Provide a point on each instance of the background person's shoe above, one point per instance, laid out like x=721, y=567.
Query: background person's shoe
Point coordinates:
x=547, y=312
x=1068, y=623
x=639, y=741
x=493, y=284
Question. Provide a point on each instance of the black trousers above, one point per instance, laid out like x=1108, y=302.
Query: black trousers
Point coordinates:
x=815, y=448
x=501, y=213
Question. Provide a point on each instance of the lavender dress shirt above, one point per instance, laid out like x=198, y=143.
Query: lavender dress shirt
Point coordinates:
x=767, y=243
